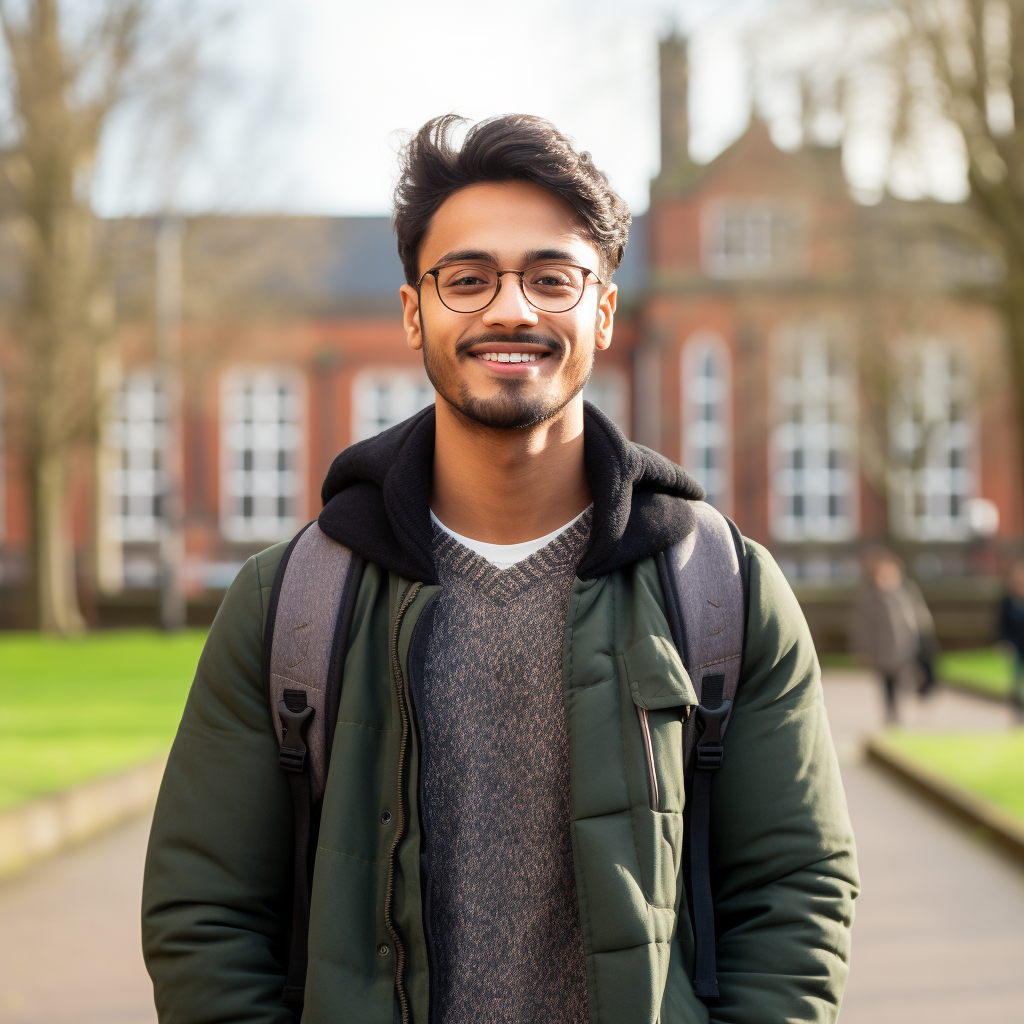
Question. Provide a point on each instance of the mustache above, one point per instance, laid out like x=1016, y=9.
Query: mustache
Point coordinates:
x=526, y=337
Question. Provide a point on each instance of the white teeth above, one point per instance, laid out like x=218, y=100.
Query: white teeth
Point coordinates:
x=510, y=357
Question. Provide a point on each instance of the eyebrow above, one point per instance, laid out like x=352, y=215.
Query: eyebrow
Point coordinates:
x=479, y=256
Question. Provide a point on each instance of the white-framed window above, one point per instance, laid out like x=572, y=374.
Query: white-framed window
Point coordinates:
x=814, y=488
x=751, y=238
x=263, y=416
x=707, y=416
x=607, y=390
x=933, y=446
x=383, y=397
x=137, y=440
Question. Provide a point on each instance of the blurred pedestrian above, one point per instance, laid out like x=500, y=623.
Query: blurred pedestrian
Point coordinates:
x=1011, y=632
x=892, y=627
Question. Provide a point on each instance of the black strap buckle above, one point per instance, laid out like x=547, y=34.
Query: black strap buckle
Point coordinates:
x=709, y=757
x=295, y=717
x=709, y=746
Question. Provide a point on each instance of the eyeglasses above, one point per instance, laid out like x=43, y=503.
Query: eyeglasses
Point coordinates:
x=548, y=287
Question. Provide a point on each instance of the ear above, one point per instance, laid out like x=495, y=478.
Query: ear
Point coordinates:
x=411, y=316
x=606, y=316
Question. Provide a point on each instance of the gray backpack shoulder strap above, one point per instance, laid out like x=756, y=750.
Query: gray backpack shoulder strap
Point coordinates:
x=704, y=580
x=304, y=642
x=310, y=606
x=707, y=589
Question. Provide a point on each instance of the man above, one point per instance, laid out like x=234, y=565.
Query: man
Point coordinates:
x=488, y=847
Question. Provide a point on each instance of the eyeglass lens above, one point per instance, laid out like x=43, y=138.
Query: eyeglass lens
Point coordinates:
x=551, y=287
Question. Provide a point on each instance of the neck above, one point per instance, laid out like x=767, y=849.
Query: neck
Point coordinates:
x=508, y=486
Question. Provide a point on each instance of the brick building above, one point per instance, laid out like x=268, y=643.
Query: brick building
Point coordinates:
x=833, y=373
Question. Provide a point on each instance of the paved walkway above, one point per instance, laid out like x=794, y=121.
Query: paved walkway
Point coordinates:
x=69, y=937
x=939, y=935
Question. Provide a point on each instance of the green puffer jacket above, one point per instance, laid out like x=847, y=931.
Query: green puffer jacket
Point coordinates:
x=218, y=873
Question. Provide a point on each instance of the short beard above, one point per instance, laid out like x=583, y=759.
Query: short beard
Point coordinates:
x=511, y=409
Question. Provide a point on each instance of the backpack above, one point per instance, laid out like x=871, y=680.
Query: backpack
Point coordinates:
x=704, y=581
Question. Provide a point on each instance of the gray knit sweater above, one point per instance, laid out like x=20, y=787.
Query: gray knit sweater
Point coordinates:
x=502, y=914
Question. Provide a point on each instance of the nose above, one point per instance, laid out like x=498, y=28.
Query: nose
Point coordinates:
x=510, y=310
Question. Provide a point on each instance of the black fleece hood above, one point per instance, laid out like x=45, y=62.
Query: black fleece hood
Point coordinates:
x=377, y=498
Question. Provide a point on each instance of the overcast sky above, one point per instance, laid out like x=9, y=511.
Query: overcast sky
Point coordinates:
x=314, y=96
x=324, y=89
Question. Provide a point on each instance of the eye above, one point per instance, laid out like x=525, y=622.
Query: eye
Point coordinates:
x=550, y=279
x=463, y=278
x=553, y=278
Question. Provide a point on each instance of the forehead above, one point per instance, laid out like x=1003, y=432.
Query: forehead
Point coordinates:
x=505, y=219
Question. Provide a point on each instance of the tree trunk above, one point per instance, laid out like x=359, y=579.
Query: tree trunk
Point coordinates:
x=57, y=599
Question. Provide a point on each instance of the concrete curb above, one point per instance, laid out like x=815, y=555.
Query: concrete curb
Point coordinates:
x=48, y=824
x=1004, y=829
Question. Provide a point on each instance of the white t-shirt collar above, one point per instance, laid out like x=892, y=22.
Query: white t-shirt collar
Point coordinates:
x=505, y=555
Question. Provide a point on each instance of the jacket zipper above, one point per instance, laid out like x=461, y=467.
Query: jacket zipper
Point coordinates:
x=652, y=775
x=399, y=682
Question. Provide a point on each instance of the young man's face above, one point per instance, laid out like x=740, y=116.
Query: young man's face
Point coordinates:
x=507, y=226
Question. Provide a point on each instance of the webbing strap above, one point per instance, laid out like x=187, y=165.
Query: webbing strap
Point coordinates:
x=705, y=981
x=706, y=598
x=298, y=946
x=310, y=613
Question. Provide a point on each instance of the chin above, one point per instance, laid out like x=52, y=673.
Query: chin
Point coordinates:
x=510, y=410
x=514, y=405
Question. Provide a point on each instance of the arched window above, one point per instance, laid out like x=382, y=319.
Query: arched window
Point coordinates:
x=262, y=449
x=933, y=446
x=813, y=463
x=707, y=416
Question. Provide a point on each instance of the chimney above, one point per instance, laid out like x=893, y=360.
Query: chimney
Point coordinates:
x=673, y=73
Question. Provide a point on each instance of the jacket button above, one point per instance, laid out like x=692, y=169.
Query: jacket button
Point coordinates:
x=382, y=950
x=385, y=818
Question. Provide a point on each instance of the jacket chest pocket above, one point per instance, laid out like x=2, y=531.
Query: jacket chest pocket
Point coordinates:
x=660, y=699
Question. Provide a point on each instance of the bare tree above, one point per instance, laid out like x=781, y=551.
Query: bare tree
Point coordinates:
x=926, y=83
x=61, y=97
x=68, y=79
x=974, y=54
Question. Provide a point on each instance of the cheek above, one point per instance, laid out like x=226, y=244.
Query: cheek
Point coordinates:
x=583, y=343
x=580, y=337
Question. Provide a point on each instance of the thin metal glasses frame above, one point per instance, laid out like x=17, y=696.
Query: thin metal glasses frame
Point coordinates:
x=435, y=272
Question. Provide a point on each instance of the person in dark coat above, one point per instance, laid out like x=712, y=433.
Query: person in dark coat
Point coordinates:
x=1011, y=632
x=890, y=619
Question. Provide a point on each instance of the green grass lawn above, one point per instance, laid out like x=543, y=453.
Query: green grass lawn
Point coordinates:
x=74, y=709
x=987, y=668
x=988, y=764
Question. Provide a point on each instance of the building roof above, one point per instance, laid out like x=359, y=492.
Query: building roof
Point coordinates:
x=318, y=266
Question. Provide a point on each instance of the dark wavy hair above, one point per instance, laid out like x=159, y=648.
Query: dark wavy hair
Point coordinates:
x=514, y=147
